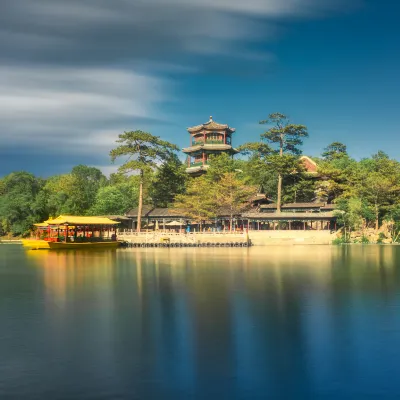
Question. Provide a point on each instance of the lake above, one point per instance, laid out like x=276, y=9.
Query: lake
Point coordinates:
x=295, y=322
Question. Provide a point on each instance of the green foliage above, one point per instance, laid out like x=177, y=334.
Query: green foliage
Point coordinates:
x=168, y=181
x=288, y=137
x=142, y=151
x=364, y=240
x=19, y=207
x=381, y=238
x=232, y=194
x=298, y=189
x=350, y=213
x=198, y=202
x=334, y=150
x=116, y=199
x=220, y=165
x=73, y=193
x=339, y=241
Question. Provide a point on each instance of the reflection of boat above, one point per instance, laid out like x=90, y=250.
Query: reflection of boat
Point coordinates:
x=73, y=232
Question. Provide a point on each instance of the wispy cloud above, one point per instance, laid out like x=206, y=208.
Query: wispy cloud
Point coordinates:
x=74, y=72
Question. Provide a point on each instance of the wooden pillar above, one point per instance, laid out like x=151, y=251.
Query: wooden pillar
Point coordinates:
x=273, y=224
x=66, y=233
x=204, y=157
x=311, y=224
x=335, y=225
x=224, y=137
x=304, y=225
x=290, y=225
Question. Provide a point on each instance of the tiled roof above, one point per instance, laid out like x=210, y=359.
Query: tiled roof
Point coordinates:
x=290, y=216
x=134, y=212
x=164, y=213
x=293, y=205
x=114, y=217
x=303, y=205
x=206, y=146
x=210, y=125
x=329, y=207
x=268, y=206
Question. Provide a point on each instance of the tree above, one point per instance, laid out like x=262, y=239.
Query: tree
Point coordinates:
x=142, y=152
x=86, y=183
x=288, y=138
x=115, y=199
x=199, y=201
x=341, y=178
x=233, y=195
x=255, y=167
x=169, y=181
x=219, y=165
x=299, y=190
x=73, y=193
x=379, y=183
x=334, y=150
x=18, y=206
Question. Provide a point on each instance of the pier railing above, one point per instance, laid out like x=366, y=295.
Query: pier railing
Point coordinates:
x=131, y=236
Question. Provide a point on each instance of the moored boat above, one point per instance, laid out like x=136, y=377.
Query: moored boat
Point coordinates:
x=74, y=232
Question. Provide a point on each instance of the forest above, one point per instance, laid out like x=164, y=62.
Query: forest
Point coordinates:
x=366, y=191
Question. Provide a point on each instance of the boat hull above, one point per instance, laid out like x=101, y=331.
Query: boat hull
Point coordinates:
x=44, y=245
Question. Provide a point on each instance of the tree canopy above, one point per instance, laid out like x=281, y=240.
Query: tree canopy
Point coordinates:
x=142, y=152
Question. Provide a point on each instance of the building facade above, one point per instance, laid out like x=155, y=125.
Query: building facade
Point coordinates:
x=206, y=140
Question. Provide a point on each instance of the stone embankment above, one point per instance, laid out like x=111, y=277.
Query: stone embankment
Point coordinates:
x=219, y=239
x=383, y=235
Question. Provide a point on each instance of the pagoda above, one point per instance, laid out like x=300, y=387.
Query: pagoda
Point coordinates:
x=206, y=140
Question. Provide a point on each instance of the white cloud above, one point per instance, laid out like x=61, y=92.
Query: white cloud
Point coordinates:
x=68, y=106
x=70, y=77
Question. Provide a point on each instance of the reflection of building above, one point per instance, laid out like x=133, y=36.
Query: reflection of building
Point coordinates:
x=208, y=139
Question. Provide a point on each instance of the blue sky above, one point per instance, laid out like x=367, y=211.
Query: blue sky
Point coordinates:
x=75, y=74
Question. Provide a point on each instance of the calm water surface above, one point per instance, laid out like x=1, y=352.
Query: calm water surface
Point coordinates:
x=262, y=323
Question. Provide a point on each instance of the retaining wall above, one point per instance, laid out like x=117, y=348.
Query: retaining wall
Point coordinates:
x=256, y=238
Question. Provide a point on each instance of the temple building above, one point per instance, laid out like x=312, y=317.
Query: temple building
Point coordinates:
x=206, y=140
x=212, y=138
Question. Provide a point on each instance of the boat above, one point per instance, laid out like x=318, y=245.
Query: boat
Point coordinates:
x=73, y=232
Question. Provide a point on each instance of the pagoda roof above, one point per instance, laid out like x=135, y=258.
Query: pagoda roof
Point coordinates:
x=209, y=126
x=198, y=147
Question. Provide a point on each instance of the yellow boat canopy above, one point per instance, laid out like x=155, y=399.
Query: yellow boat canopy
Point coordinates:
x=42, y=225
x=76, y=220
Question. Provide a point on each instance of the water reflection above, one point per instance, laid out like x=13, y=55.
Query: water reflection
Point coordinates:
x=287, y=322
